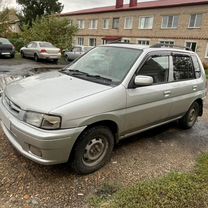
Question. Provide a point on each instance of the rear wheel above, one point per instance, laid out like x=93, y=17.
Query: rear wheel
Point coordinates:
x=190, y=118
x=36, y=58
x=12, y=56
x=22, y=54
x=55, y=61
x=92, y=150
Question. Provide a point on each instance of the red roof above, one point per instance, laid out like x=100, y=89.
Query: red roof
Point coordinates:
x=140, y=6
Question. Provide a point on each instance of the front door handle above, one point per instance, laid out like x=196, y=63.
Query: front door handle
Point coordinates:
x=167, y=93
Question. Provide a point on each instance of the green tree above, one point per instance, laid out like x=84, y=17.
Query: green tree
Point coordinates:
x=4, y=22
x=34, y=9
x=53, y=29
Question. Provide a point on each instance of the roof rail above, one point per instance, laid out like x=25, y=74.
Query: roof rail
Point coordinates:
x=161, y=45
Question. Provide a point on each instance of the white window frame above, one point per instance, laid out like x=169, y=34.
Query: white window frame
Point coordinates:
x=206, y=51
x=167, y=41
x=79, y=38
x=94, y=39
x=191, y=41
x=108, y=23
x=162, y=27
x=117, y=18
x=130, y=26
x=93, y=24
x=145, y=28
x=195, y=20
x=128, y=39
x=143, y=39
x=81, y=24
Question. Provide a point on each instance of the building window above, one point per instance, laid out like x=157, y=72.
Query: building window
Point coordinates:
x=126, y=40
x=195, y=21
x=80, y=41
x=106, y=23
x=146, y=22
x=92, y=42
x=191, y=45
x=128, y=23
x=93, y=24
x=115, y=23
x=167, y=42
x=81, y=24
x=143, y=42
x=170, y=22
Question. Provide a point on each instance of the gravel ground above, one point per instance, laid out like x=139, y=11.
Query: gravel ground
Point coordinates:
x=25, y=184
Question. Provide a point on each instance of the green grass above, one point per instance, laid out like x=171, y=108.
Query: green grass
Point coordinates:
x=176, y=190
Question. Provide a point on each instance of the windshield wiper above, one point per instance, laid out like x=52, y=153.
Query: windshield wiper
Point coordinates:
x=73, y=72
x=99, y=77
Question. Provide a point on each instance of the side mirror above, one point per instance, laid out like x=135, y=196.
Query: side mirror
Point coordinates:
x=141, y=80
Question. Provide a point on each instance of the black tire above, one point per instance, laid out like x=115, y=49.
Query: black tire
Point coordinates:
x=12, y=56
x=36, y=58
x=190, y=118
x=92, y=150
x=55, y=61
x=22, y=54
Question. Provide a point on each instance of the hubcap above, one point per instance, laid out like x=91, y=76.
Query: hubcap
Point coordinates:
x=95, y=151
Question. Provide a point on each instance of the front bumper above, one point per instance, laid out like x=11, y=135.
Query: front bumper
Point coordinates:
x=42, y=146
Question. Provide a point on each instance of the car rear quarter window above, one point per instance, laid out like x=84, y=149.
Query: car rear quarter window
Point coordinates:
x=183, y=68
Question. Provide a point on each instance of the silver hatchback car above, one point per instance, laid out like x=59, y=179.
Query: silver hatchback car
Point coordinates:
x=112, y=92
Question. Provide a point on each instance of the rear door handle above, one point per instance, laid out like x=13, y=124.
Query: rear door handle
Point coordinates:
x=194, y=87
x=167, y=93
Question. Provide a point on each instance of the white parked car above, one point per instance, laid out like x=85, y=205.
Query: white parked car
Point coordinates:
x=41, y=50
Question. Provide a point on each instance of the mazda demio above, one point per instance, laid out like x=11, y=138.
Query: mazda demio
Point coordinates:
x=112, y=92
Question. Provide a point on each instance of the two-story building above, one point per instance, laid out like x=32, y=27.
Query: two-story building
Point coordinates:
x=179, y=22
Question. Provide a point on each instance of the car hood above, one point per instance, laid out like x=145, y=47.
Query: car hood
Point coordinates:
x=48, y=91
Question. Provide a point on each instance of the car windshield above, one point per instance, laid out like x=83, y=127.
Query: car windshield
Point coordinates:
x=4, y=41
x=46, y=45
x=105, y=63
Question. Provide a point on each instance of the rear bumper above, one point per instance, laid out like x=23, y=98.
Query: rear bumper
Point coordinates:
x=49, y=56
x=42, y=146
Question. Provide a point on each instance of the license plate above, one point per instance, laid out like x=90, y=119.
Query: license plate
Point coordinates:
x=5, y=53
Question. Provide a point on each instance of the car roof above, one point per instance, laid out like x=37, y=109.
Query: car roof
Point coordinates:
x=147, y=48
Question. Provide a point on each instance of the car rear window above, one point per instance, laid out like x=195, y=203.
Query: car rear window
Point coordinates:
x=46, y=45
x=4, y=41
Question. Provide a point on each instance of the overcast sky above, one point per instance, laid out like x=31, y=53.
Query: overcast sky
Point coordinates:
x=73, y=5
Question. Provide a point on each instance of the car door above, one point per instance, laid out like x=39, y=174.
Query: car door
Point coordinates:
x=185, y=83
x=27, y=50
x=149, y=105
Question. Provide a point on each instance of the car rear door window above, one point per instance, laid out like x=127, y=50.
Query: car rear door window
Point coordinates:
x=183, y=68
x=157, y=67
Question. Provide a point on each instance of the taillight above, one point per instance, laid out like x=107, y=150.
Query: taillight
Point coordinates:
x=13, y=47
x=43, y=51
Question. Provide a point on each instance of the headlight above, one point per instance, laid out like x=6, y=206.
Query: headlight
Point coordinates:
x=42, y=120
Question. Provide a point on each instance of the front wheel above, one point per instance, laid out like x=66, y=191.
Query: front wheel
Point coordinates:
x=190, y=118
x=93, y=149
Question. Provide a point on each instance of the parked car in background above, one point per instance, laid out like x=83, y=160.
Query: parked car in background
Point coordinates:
x=41, y=50
x=112, y=92
x=76, y=52
x=6, y=48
